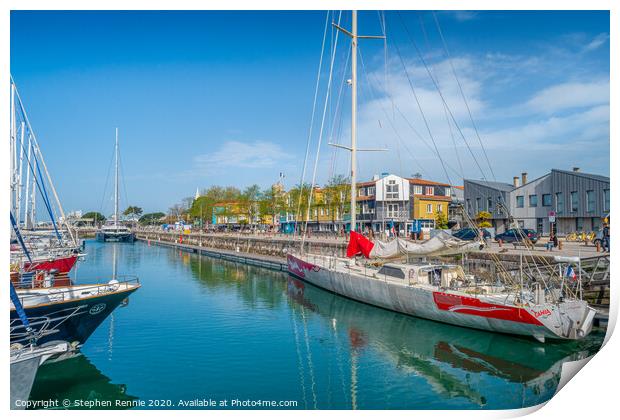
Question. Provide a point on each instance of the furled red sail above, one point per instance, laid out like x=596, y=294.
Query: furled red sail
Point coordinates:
x=440, y=244
x=358, y=244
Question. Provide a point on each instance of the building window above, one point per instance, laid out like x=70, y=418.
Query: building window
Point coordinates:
x=579, y=223
x=590, y=201
x=322, y=212
x=520, y=201
x=391, y=190
x=439, y=208
x=417, y=189
x=327, y=212
x=468, y=205
x=430, y=190
x=547, y=200
x=371, y=190
x=392, y=210
x=478, y=206
x=490, y=204
x=606, y=193
x=559, y=203
x=533, y=200
x=448, y=192
x=360, y=192
x=574, y=201
x=429, y=208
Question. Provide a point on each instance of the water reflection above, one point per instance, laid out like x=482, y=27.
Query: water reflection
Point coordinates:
x=454, y=362
x=258, y=334
x=57, y=380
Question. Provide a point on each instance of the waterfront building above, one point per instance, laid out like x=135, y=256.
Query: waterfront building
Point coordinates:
x=578, y=201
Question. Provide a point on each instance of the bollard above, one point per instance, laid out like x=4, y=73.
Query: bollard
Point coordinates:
x=560, y=245
x=500, y=242
x=598, y=246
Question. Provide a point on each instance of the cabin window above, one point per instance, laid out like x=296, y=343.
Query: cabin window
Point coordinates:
x=392, y=272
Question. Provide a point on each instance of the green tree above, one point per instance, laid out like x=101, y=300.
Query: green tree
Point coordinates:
x=441, y=220
x=272, y=202
x=483, y=219
x=151, y=218
x=298, y=201
x=133, y=211
x=95, y=215
x=248, y=203
x=338, y=196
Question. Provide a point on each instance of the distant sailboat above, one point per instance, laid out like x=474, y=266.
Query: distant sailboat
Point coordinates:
x=114, y=231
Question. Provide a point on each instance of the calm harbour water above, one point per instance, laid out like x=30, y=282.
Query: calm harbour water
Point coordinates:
x=203, y=328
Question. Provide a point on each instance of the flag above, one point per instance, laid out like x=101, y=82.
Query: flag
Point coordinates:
x=570, y=273
x=358, y=244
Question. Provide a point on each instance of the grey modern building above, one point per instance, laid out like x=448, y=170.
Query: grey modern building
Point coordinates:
x=577, y=200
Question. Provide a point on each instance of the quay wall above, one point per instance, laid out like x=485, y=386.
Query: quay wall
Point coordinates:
x=276, y=246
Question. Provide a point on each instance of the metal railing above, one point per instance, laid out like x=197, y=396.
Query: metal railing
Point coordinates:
x=80, y=291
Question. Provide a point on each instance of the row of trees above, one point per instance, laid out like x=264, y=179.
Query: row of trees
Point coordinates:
x=257, y=204
x=133, y=212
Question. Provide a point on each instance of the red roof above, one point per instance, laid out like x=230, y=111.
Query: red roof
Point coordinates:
x=420, y=181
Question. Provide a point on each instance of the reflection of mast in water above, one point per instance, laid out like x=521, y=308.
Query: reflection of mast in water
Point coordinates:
x=309, y=353
x=339, y=355
x=299, y=362
x=111, y=325
x=357, y=340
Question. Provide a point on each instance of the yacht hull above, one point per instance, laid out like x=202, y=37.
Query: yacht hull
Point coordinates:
x=567, y=320
x=71, y=320
x=115, y=237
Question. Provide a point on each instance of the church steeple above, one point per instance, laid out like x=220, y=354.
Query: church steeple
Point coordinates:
x=197, y=194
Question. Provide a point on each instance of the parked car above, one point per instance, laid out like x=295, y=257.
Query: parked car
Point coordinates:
x=517, y=235
x=470, y=234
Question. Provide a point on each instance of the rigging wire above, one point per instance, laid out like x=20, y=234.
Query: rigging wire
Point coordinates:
x=316, y=92
x=439, y=92
x=415, y=95
x=473, y=123
x=428, y=48
x=105, y=186
x=320, y=140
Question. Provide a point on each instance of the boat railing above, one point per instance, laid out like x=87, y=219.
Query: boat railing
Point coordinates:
x=79, y=291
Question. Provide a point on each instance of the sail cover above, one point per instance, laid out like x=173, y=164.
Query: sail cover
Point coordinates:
x=440, y=244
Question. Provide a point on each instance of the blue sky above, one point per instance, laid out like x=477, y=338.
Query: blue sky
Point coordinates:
x=204, y=98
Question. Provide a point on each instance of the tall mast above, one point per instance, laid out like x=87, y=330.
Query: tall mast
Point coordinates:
x=353, y=118
x=116, y=181
x=353, y=149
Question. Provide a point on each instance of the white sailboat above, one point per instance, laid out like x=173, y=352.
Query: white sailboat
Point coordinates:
x=114, y=231
x=440, y=292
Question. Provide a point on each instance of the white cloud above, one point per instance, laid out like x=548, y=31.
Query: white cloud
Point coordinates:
x=570, y=95
x=597, y=42
x=236, y=154
x=520, y=109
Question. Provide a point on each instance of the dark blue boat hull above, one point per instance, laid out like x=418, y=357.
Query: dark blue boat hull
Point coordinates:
x=72, y=321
